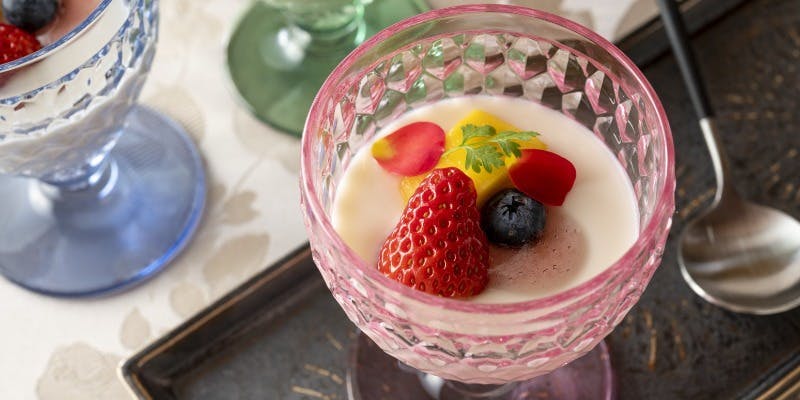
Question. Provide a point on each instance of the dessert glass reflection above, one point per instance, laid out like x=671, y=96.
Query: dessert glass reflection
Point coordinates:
x=487, y=350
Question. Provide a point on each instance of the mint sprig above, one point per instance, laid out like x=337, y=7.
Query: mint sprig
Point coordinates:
x=486, y=148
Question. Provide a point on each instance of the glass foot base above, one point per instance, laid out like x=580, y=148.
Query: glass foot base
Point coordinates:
x=277, y=79
x=80, y=245
x=373, y=374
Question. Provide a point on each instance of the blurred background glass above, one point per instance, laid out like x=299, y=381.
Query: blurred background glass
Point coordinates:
x=281, y=50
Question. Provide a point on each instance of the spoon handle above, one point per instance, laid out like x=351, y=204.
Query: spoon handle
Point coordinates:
x=678, y=38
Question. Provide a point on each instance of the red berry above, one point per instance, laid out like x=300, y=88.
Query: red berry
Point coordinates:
x=438, y=246
x=16, y=43
x=410, y=150
x=544, y=176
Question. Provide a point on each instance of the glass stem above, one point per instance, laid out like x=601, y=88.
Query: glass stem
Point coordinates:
x=326, y=27
x=466, y=391
x=84, y=190
x=74, y=202
x=442, y=389
x=88, y=177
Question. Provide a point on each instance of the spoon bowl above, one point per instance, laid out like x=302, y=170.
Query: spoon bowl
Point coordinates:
x=743, y=257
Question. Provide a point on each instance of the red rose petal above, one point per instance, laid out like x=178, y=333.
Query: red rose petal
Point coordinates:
x=410, y=150
x=544, y=176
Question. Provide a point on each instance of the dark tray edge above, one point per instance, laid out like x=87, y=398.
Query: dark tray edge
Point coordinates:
x=782, y=383
x=151, y=371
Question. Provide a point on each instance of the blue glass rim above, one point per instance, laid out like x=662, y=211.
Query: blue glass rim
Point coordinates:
x=63, y=41
x=46, y=50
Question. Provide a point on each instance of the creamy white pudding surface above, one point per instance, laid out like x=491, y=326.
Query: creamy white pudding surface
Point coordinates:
x=594, y=227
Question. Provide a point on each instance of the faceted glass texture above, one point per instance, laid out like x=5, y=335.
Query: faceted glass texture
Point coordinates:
x=62, y=112
x=498, y=51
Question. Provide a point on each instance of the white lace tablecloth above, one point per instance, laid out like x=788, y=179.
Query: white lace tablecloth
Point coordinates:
x=61, y=349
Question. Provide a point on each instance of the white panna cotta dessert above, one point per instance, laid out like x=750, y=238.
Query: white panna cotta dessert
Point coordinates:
x=591, y=230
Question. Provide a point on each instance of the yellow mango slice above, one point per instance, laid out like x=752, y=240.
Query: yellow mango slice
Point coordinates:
x=486, y=183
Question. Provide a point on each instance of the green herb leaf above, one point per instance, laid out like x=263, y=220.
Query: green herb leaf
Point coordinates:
x=486, y=149
x=489, y=158
x=471, y=163
x=470, y=131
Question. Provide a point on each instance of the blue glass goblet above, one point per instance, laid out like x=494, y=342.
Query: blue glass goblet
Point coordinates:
x=96, y=193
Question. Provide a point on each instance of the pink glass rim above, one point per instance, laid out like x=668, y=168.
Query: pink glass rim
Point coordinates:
x=663, y=207
x=44, y=51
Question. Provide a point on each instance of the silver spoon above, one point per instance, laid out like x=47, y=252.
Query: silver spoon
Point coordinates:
x=738, y=255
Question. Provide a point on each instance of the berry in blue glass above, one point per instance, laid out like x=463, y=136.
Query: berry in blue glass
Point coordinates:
x=30, y=15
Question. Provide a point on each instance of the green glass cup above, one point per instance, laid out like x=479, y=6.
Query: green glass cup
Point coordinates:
x=282, y=50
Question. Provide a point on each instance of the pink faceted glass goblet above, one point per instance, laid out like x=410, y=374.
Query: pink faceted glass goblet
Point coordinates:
x=487, y=350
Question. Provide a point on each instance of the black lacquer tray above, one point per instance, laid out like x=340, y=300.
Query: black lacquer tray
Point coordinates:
x=280, y=335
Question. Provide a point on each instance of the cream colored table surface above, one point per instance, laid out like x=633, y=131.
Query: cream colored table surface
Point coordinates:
x=70, y=349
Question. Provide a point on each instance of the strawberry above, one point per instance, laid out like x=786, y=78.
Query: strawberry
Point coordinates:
x=16, y=43
x=438, y=246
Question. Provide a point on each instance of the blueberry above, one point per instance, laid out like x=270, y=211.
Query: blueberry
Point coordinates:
x=512, y=219
x=30, y=15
